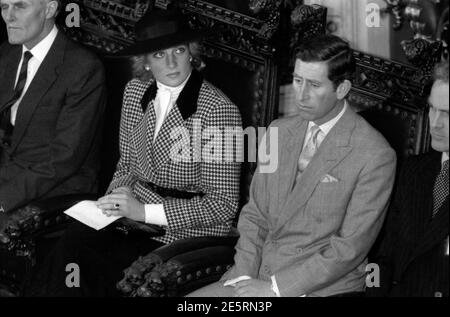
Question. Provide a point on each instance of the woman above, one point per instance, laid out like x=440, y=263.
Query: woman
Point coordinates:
x=166, y=175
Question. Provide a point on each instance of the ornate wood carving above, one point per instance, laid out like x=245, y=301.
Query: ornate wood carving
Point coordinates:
x=396, y=7
x=395, y=89
x=232, y=29
x=428, y=19
x=422, y=53
x=108, y=25
x=306, y=21
x=442, y=33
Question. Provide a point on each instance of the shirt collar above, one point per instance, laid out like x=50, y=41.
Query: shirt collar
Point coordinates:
x=327, y=126
x=174, y=90
x=41, y=49
x=444, y=157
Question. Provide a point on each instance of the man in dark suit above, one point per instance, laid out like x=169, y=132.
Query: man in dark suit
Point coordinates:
x=52, y=97
x=413, y=257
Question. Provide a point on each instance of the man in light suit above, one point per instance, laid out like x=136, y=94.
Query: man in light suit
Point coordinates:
x=308, y=227
x=413, y=256
x=52, y=97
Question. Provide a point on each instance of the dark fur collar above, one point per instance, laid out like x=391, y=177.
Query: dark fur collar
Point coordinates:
x=186, y=102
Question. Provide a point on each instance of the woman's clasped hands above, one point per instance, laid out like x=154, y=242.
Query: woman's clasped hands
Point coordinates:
x=121, y=202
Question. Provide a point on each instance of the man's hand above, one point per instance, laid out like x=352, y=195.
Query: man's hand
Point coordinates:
x=254, y=288
x=121, y=202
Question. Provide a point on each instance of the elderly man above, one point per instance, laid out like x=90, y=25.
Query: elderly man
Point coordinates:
x=309, y=226
x=413, y=257
x=52, y=96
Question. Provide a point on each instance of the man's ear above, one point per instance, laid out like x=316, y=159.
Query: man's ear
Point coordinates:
x=52, y=9
x=343, y=89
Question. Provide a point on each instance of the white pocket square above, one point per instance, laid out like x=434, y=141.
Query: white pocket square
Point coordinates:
x=329, y=179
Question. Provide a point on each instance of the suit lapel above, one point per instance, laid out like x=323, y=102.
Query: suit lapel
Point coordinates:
x=332, y=151
x=142, y=138
x=423, y=231
x=153, y=155
x=45, y=77
x=289, y=162
x=436, y=231
x=10, y=66
x=165, y=140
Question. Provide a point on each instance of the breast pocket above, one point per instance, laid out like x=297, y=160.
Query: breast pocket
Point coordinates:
x=46, y=109
x=326, y=193
x=327, y=204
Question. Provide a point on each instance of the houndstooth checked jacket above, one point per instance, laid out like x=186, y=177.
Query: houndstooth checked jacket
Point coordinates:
x=142, y=161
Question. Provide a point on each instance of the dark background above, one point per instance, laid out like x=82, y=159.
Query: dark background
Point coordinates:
x=2, y=31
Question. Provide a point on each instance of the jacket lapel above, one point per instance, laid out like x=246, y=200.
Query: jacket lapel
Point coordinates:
x=153, y=155
x=45, y=77
x=289, y=162
x=165, y=139
x=10, y=66
x=332, y=151
x=142, y=136
x=185, y=107
x=436, y=231
x=423, y=231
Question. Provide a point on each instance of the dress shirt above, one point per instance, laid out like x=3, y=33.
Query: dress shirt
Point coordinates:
x=444, y=158
x=325, y=127
x=39, y=52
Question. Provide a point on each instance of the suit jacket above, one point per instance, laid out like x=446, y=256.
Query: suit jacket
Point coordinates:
x=314, y=237
x=412, y=254
x=54, y=145
x=168, y=163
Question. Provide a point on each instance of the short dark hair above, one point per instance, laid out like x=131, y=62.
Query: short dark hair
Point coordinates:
x=334, y=51
x=441, y=72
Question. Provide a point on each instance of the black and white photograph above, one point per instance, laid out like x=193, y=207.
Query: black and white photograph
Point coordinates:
x=225, y=153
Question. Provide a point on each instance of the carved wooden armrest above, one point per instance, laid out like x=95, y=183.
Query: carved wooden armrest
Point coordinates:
x=179, y=268
x=38, y=216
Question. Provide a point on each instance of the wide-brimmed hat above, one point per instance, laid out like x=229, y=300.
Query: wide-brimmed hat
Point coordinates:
x=160, y=29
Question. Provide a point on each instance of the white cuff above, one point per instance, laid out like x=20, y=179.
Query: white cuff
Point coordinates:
x=155, y=214
x=275, y=286
x=236, y=280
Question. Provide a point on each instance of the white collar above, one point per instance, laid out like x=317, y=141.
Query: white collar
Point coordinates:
x=444, y=157
x=41, y=49
x=173, y=90
x=327, y=126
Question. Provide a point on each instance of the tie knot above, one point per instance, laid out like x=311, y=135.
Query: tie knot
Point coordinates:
x=315, y=130
x=27, y=55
